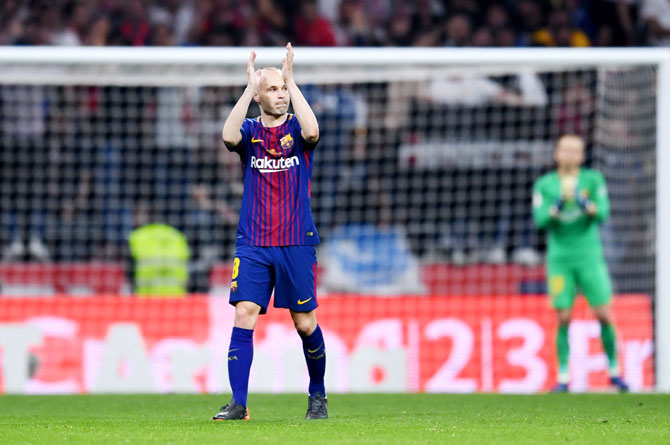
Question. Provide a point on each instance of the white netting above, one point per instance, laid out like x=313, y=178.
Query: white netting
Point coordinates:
x=625, y=137
x=422, y=178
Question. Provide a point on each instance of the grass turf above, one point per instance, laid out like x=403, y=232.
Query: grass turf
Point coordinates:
x=364, y=418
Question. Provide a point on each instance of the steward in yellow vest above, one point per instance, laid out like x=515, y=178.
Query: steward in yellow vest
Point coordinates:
x=160, y=254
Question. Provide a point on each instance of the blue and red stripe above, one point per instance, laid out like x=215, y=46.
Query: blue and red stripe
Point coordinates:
x=275, y=207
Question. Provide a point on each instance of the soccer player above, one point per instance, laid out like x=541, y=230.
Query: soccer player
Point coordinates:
x=276, y=236
x=571, y=203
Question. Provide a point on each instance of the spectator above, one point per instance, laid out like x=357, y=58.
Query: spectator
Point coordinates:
x=560, y=32
x=353, y=28
x=11, y=25
x=179, y=17
x=497, y=18
x=378, y=11
x=312, y=29
x=400, y=28
x=427, y=19
x=470, y=8
x=32, y=33
x=458, y=30
x=529, y=15
x=329, y=9
x=272, y=27
x=161, y=36
x=427, y=15
x=329, y=22
x=580, y=15
x=75, y=17
x=656, y=15
x=506, y=37
x=133, y=29
x=482, y=37
x=614, y=21
x=218, y=24
x=98, y=32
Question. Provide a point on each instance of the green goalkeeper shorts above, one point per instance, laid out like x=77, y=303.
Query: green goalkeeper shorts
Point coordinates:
x=565, y=279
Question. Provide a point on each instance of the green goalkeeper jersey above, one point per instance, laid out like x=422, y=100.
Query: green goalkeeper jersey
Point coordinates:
x=573, y=235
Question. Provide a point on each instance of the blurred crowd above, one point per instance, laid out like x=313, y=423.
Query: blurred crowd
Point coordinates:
x=483, y=23
x=82, y=166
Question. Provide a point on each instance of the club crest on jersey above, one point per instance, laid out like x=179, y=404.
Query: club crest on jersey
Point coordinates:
x=286, y=142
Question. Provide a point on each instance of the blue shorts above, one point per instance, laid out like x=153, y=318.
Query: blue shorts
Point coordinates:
x=289, y=270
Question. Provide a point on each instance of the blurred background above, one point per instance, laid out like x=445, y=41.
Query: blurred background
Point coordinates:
x=335, y=23
x=114, y=183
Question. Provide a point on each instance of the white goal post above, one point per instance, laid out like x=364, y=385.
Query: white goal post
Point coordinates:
x=226, y=66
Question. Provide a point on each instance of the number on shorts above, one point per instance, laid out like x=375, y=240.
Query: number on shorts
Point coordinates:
x=556, y=284
x=236, y=267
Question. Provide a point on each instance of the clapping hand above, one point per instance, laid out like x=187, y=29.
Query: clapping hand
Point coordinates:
x=287, y=67
x=253, y=76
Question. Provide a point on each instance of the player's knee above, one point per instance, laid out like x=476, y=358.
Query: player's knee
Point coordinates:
x=305, y=326
x=603, y=314
x=246, y=315
x=564, y=319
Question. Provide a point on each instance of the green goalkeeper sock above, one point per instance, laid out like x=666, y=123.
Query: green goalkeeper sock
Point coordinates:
x=563, y=349
x=608, y=336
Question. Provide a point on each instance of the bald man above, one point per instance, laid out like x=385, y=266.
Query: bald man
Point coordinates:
x=570, y=203
x=276, y=235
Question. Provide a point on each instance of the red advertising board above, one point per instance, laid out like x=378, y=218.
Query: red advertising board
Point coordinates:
x=424, y=343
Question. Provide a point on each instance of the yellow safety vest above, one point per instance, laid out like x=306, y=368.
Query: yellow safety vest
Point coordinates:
x=161, y=256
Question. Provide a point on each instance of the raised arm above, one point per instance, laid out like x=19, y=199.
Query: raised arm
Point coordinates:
x=231, y=134
x=304, y=113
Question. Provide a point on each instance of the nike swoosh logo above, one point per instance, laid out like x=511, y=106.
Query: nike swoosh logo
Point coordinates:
x=233, y=350
x=253, y=141
x=303, y=302
x=313, y=351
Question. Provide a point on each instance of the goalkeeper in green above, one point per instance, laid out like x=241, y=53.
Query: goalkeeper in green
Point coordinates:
x=570, y=203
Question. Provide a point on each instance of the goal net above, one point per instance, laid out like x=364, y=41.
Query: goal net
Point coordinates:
x=421, y=193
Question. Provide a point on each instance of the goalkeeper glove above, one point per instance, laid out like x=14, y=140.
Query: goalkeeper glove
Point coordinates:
x=555, y=209
x=585, y=203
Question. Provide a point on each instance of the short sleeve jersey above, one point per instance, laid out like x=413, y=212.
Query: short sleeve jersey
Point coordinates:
x=277, y=169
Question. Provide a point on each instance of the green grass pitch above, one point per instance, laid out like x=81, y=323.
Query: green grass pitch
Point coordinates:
x=363, y=418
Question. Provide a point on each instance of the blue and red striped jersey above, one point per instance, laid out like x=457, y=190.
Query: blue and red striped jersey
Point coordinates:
x=277, y=169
